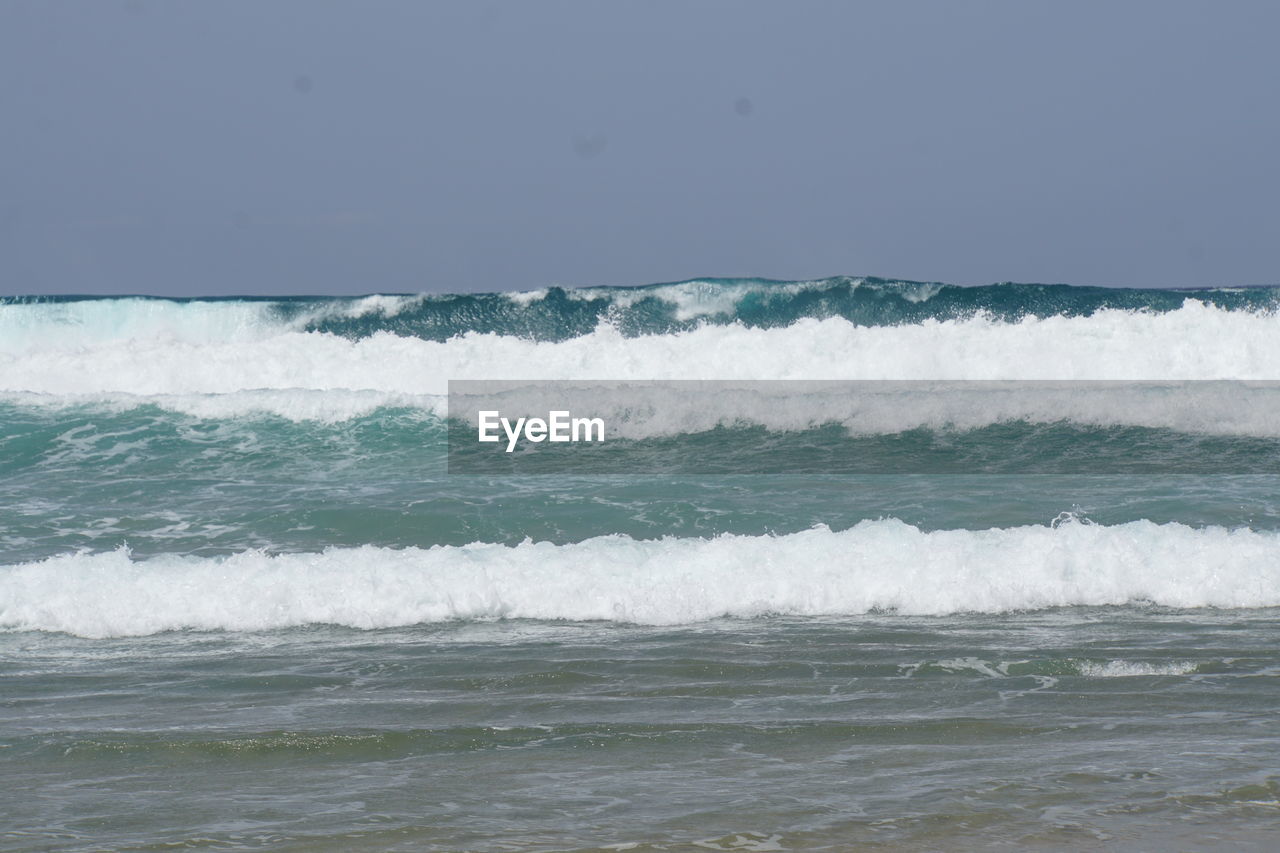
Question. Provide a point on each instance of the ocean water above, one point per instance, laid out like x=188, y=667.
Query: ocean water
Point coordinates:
x=245, y=604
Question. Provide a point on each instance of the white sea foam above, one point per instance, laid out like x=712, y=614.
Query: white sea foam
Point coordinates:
x=1128, y=669
x=378, y=303
x=295, y=404
x=84, y=325
x=1193, y=342
x=876, y=565
x=87, y=324
x=243, y=352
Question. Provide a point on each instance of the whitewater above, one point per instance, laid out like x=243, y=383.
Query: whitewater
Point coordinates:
x=1192, y=342
x=883, y=566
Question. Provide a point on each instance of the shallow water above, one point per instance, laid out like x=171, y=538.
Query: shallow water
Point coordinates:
x=1075, y=727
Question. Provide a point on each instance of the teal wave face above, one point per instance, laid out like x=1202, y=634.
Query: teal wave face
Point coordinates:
x=91, y=477
x=148, y=441
x=557, y=314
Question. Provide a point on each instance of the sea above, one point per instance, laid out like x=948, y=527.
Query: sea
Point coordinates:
x=248, y=603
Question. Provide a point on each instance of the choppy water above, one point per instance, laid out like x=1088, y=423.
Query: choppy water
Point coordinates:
x=243, y=604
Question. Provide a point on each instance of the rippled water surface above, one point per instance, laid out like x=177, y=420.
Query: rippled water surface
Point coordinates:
x=1117, y=727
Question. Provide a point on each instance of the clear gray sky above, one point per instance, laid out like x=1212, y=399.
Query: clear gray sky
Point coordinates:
x=297, y=146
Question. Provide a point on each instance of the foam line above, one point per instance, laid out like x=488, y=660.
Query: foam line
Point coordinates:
x=875, y=565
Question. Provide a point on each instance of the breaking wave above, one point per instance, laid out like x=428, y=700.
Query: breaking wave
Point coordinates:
x=884, y=565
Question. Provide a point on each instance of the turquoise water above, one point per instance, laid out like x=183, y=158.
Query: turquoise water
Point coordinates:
x=244, y=604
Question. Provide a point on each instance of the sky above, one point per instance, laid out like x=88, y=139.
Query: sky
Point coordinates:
x=301, y=146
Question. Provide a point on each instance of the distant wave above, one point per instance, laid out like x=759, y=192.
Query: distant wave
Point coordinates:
x=558, y=314
x=882, y=565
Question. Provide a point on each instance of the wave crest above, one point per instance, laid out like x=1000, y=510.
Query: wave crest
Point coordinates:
x=1196, y=341
x=884, y=565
